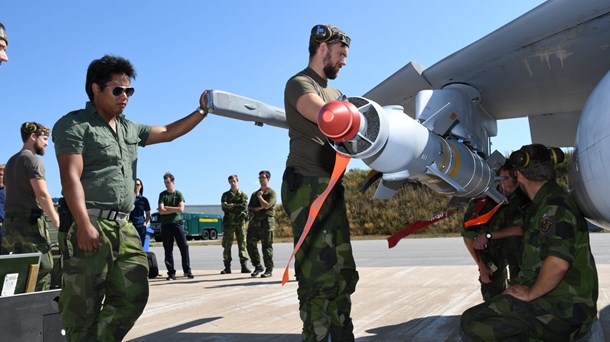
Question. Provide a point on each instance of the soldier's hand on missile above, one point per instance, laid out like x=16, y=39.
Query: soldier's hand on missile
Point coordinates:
x=203, y=101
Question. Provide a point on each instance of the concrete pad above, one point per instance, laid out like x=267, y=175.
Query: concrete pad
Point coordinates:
x=412, y=303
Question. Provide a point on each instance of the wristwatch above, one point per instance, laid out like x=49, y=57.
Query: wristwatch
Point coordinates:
x=202, y=111
x=488, y=236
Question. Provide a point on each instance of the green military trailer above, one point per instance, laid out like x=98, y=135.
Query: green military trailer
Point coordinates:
x=196, y=225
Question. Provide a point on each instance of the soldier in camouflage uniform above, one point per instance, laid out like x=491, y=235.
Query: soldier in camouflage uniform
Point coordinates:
x=262, y=223
x=27, y=197
x=234, y=203
x=505, y=228
x=324, y=264
x=105, y=270
x=555, y=298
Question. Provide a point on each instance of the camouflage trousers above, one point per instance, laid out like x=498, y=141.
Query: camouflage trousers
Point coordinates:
x=104, y=291
x=505, y=318
x=24, y=233
x=261, y=230
x=499, y=277
x=324, y=264
x=239, y=231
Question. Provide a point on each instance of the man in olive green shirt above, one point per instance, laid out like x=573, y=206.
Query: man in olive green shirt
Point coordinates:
x=324, y=265
x=105, y=270
x=27, y=197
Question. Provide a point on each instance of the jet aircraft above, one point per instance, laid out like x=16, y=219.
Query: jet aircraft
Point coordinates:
x=433, y=125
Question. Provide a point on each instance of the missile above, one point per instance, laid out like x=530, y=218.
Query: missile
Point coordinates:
x=403, y=149
x=238, y=107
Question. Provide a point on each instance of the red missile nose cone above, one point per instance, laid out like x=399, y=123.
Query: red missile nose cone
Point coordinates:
x=339, y=120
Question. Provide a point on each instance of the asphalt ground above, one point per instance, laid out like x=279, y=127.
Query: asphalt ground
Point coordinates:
x=413, y=292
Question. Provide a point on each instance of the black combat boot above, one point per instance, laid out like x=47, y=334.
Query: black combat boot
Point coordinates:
x=245, y=269
x=257, y=270
x=227, y=269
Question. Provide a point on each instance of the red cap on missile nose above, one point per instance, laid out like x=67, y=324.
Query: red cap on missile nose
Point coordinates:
x=339, y=120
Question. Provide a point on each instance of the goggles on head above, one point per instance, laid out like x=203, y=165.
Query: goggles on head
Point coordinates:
x=31, y=127
x=522, y=157
x=324, y=34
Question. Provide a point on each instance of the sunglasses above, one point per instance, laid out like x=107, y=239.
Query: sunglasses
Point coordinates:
x=117, y=91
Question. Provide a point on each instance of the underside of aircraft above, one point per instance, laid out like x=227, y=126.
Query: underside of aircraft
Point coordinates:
x=433, y=125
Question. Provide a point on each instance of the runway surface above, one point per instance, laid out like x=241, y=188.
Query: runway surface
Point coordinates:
x=413, y=292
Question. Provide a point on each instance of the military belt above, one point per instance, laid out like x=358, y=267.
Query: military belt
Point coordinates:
x=108, y=214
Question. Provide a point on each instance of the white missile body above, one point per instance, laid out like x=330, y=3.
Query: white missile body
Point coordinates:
x=402, y=148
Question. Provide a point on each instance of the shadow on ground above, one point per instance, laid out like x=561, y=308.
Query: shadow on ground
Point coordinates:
x=179, y=334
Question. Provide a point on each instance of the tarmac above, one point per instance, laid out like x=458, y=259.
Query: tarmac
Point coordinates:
x=398, y=303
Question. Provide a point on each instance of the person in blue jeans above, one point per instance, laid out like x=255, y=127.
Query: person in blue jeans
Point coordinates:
x=140, y=215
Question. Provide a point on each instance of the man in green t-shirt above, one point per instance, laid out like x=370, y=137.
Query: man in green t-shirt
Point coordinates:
x=324, y=265
x=27, y=198
x=555, y=295
x=171, y=204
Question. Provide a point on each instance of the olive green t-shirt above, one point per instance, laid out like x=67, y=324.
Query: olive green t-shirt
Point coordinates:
x=310, y=153
x=109, y=158
x=19, y=170
x=171, y=199
x=270, y=197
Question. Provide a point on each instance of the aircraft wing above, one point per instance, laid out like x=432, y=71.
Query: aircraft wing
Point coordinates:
x=550, y=65
x=542, y=65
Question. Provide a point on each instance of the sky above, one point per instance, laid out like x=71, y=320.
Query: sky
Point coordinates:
x=250, y=48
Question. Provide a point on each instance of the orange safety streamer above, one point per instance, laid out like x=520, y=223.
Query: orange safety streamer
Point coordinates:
x=414, y=227
x=341, y=162
x=483, y=218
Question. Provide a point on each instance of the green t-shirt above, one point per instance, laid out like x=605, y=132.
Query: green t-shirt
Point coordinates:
x=310, y=153
x=171, y=199
x=110, y=158
x=270, y=197
x=19, y=170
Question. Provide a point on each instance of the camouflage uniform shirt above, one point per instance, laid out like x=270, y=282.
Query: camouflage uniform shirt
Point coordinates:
x=234, y=205
x=556, y=227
